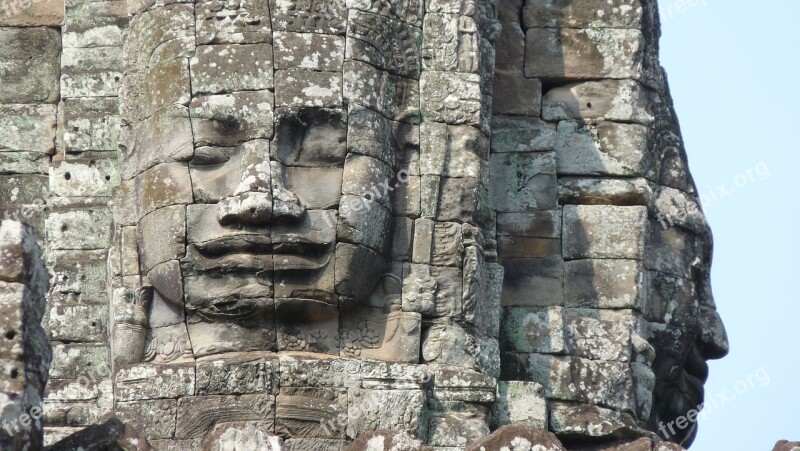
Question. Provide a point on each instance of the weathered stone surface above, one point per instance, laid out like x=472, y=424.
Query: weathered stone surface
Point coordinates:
x=79, y=229
x=25, y=352
x=159, y=243
x=91, y=124
x=27, y=127
x=584, y=14
x=396, y=97
x=155, y=417
x=533, y=281
x=199, y=414
x=604, y=284
x=590, y=421
x=518, y=436
x=28, y=14
x=451, y=98
x=785, y=445
x=459, y=426
x=533, y=329
x=233, y=23
x=111, y=434
x=524, y=181
x=515, y=94
x=520, y=403
x=578, y=54
x=386, y=440
x=231, y=119
x=366, y=43
x=372, y=410
x=522, y=134
x=243, y=435
x=30, y=69
x=312, y=51
x=301, y=87
x=148, y=381
x=604, y=191
x=604, y=232
x=218, y=69
x=605, y=149
x=612, y=100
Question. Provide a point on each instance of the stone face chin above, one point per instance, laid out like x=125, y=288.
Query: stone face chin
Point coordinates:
x=307, y=225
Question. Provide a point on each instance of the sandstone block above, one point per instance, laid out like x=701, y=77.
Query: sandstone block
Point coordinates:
x=453, y=98
x=454, y=428
x=91, y=124
x=244, y=22
x=320, y=52
x=600, y=231
x=600, y=334
x=79, y=229
x=399, y=410
x=523, y=181
x=227, y=68
x=583, y=14
x=515, y=94
x=533, y=281
x=604, y=191
x=30, y=70
x=452, y=151
x=605, y=284
x=27, y=128
x=164, y=137
x=197, y=415
x=605, y=149
x=300, y=87
x=533, y=329
x=153, y=417
x=570, y=53
x=520, y=403
x=539, y=224
x=30, y=14
x=149, y=381
x=522, y=134
x=94, y=178
x=366, y=42
x=162, y=236
x=306, y=412
x=78, y=323
x=599, y=100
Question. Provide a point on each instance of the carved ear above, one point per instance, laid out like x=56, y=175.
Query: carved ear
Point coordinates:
x=387, y=291
x=144, y=296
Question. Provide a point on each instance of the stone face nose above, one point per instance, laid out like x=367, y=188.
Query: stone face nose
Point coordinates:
x=261, y=196
x=713, y=338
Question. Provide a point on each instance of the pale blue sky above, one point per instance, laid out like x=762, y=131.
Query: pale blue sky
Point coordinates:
x=733, y=67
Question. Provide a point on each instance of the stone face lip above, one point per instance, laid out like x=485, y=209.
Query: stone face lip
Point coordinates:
x=785, y=445
x=111, y=435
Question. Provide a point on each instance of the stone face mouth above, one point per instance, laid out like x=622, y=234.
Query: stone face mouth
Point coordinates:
x=255, y=252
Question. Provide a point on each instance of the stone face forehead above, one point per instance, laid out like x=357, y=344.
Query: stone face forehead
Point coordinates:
x=319, y=219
